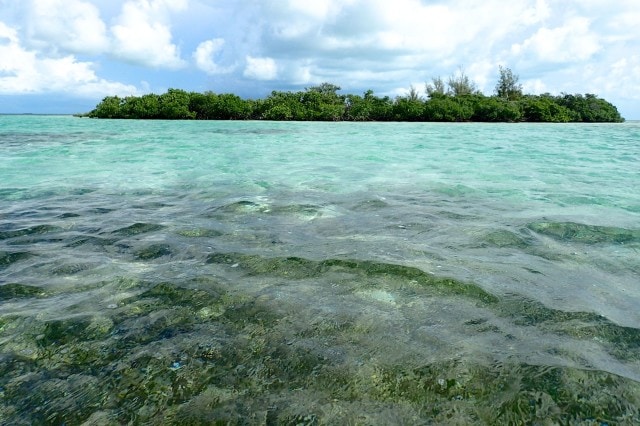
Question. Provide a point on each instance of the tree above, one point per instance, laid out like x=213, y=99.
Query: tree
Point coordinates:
x=461, y=102
x=413, y=94
x=461, y=84
x=544, y=108
x=174, y=105
x=326, y=89
x=507, y=86
x=322, y=103
x=495, y=109
x=436, y=88
x=589, y=108
x=280, y=106
x=204, y=105
x=232, y=107
x=110, y=107
x=144, y=107
x=447, y=108
x=358, y=108
x=408, y=109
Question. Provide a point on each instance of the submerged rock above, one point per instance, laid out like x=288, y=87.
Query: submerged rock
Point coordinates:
x=19, y=291
x=299, y=268
x=370, y=205
x=199, y=233
x=503, y=238
x=7, y=258
x=587, y=234
x=71, y=268
x=154, y=251
x=74, y=329
x=138, y=228
x=196, y=352
x=91, y=241
x=242, y=207
x=34, y=230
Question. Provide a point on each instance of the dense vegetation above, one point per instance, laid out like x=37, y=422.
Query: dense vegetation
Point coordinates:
x=456, y=100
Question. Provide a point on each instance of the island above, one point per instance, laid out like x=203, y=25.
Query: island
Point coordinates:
x=456, y=100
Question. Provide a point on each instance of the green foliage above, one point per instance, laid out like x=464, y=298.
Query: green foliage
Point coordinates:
x=278, y=112
x=145, y=107
x=232, y=107
x=280, y=106
x=326, y=89
x=368, y=107
x=204, y=105
x=381, y=108
x=322, y=103
x=174, y=105
x=436, y=88
x=457, y=100
x=447, y=108
x=507, y=86
x=358, y=108
x=590, y=109
x=544, y=108
x=461, y=84
x=408, y=109
x=319, y=106
x=108, y=108
x=496, y=109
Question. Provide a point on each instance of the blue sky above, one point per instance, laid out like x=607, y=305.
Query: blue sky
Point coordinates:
x=64, y=56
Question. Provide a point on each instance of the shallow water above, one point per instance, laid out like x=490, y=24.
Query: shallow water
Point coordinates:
x=318, y=273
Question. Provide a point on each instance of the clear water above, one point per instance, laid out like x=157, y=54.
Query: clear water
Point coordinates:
x=319, y=273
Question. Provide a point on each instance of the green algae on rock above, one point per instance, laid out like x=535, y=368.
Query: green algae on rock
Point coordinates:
x=298, y=268
x=623, y=342
x=199, y=233
x=138, y=228
x=503, y=238
x=153, y=251
x=34, y=230
x=9, y=257
x=19, y=291
x=586, y=234
x=194, y=352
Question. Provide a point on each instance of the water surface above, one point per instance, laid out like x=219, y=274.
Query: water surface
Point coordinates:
x=318, y=273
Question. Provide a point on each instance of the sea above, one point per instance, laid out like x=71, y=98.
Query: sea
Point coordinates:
x=257, y=272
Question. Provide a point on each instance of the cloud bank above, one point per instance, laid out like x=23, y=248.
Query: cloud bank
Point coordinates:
x=250, y=47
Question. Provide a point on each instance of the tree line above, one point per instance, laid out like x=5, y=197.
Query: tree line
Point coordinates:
x=457, y=99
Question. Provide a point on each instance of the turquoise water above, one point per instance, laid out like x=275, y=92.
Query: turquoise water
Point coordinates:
x=319, y=273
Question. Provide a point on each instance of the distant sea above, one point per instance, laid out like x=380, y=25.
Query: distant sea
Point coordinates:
x=158, y=272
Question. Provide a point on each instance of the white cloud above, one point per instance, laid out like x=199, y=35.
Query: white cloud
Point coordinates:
x=8, y=35
x=205, y=54
x=539, y=12
x=67, y=25
x=571, y=42
x=141, y=36
x=371, y=26
x=25, y=71
x=620, y=78
x=140, y=33
x=340, y=40
x=535, y=86
x=305, y=16
x=173, y=5
x=358, y=44
x=318, y=9
x=261, y=68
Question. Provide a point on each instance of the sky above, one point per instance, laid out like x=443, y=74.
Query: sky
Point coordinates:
x=64, y=56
